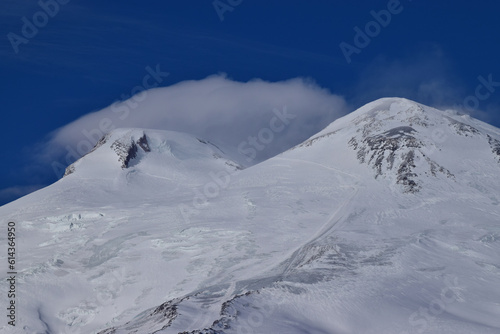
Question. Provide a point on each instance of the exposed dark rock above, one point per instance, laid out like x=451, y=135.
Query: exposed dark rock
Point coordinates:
x=100, y=142
x=380, y=151
x=128, y=151
x=131, y=154
x=125, y=152
x=167, y=310
x=434, y=168
x=406, y=175
x=143, y=143
x=228, y=314
x=165, y=313
x=69, y=170
x=395, y=150
x=234, y=165
x=495, y=147
x=462, y=128
x=399, y=131
x=206, y=142
x=203, y=331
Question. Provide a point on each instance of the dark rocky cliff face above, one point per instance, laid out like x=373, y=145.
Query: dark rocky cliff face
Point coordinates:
x=128, y=151
x=495, y=147
x=399, y=152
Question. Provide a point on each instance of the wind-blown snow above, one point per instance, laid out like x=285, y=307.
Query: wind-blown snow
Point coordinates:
x=328, y=237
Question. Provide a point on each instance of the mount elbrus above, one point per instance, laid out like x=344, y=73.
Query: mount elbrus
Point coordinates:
x=387, y=221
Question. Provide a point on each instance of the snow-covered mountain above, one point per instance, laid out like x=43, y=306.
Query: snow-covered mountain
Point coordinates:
x=387, y=221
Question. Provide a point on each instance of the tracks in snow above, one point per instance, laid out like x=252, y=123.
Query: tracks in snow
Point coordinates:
x=210, y=301
x=312, y=248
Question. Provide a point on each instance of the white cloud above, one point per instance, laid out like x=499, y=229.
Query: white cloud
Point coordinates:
x=216, y=108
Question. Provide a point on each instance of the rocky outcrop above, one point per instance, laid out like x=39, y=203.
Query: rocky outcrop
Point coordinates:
x=127, y=151
x=462, y=128
x=162, y=316
x=495, y=147
x=398, y=153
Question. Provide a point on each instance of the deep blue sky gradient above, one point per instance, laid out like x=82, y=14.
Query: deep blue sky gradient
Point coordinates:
x=92, y=52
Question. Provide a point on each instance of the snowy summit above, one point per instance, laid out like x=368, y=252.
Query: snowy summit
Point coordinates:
x=386, y=221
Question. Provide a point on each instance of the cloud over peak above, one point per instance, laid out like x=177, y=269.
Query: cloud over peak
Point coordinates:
x=215, y=108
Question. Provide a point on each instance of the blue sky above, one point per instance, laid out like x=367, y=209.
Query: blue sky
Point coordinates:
x=92, y=53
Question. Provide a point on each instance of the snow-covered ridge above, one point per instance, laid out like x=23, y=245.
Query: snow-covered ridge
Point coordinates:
x=125, y=148
x=410, y=143
x=401, y=140
x=387, y=221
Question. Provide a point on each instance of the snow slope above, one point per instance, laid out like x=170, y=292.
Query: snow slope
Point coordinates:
x=387, y=221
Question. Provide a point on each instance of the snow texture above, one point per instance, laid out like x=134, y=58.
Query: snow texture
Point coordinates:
x=387, y=221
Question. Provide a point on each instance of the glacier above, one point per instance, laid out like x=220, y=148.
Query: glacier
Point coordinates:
x=386, y=221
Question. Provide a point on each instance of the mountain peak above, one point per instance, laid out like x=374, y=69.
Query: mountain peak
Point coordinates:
x=125, y=148
x=409, y=143
x=383, y=209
